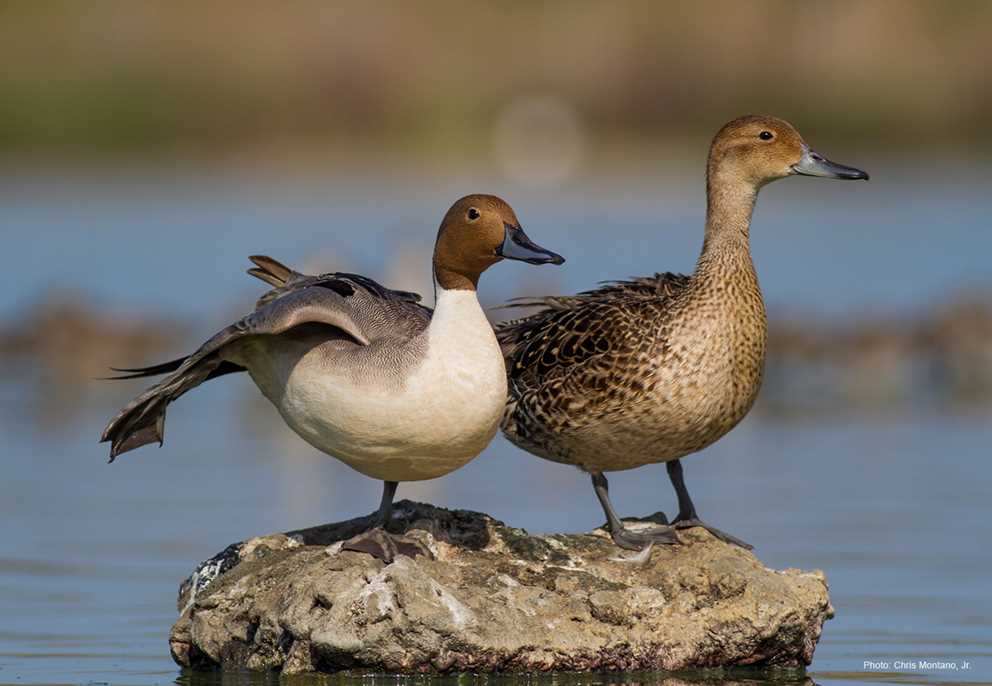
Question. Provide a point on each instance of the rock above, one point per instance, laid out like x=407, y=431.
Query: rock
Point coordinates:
x=495, y=598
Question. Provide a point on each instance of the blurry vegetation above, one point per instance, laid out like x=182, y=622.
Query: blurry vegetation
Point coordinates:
x=112, y=77
x=937, y=358
x=61, y=345
x=940, y=357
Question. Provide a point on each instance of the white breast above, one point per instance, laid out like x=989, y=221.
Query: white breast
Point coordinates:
x=442, y=415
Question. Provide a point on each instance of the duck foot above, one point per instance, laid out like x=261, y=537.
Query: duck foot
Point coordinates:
x=380, y=543
x=687, y=517
x=621, y=535
x=722, y=535
x=639, y=540
x=629, y=539
x=385, y=546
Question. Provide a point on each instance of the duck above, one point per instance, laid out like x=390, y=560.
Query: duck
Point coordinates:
x=655, y=368
x=364, y=373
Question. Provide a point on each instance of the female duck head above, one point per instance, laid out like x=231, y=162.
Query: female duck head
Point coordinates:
x=476, y=233
x=758, y=149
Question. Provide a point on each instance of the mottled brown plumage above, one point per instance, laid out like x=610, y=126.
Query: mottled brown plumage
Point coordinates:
x=655, y=368
x=638, y=372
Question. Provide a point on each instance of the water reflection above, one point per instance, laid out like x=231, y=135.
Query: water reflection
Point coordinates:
x=733, y=677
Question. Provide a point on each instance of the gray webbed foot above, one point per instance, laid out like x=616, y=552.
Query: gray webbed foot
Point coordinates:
x=385, y=546
x=687, y=517
x=689, y=523
x=629, y=539
x=379, y=542
x=621, y=535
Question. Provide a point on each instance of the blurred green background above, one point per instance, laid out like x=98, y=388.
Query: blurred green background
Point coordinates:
x=147, y=147
x=209, y=78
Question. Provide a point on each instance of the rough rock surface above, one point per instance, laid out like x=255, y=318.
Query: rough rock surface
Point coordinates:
x=495, y=599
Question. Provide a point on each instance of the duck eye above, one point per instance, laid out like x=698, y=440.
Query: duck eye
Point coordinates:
x=766, y=135
x=473, y=213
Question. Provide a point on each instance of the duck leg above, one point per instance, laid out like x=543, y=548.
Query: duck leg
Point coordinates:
x=378, y=541
x=687, y=517
x=386, y=504
x=621, y=535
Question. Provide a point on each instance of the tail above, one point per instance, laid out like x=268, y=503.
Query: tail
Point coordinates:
x=143, y=419
x=139, y=372
x=272, y=272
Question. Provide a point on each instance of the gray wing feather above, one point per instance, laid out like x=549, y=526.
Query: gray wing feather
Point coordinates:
x=284, y=280
x=306, y=305
x=355, y=305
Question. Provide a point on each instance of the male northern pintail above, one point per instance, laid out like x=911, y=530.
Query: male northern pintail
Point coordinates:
x=655, y=368
x=361, y=372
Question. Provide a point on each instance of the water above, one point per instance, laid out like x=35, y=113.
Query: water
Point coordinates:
x=894, y=509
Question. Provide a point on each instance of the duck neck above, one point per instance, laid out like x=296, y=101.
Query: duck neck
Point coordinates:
x=729, y=205
x=456, y=309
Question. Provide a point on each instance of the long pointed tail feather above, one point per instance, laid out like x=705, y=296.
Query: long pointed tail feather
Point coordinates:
x=142, y=421
x=155, y=369
x=140, y=372
x=272, y=271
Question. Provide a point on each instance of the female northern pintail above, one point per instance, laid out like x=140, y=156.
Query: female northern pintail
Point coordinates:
x=656, y=368
x=361, y=372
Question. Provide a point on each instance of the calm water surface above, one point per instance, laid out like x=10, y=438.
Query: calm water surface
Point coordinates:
x=895, y=510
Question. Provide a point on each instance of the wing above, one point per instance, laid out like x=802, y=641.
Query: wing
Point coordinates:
x=570, y=332
x=285, y=279
x=581, y=357
x=320, y=304
x=358, y=307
